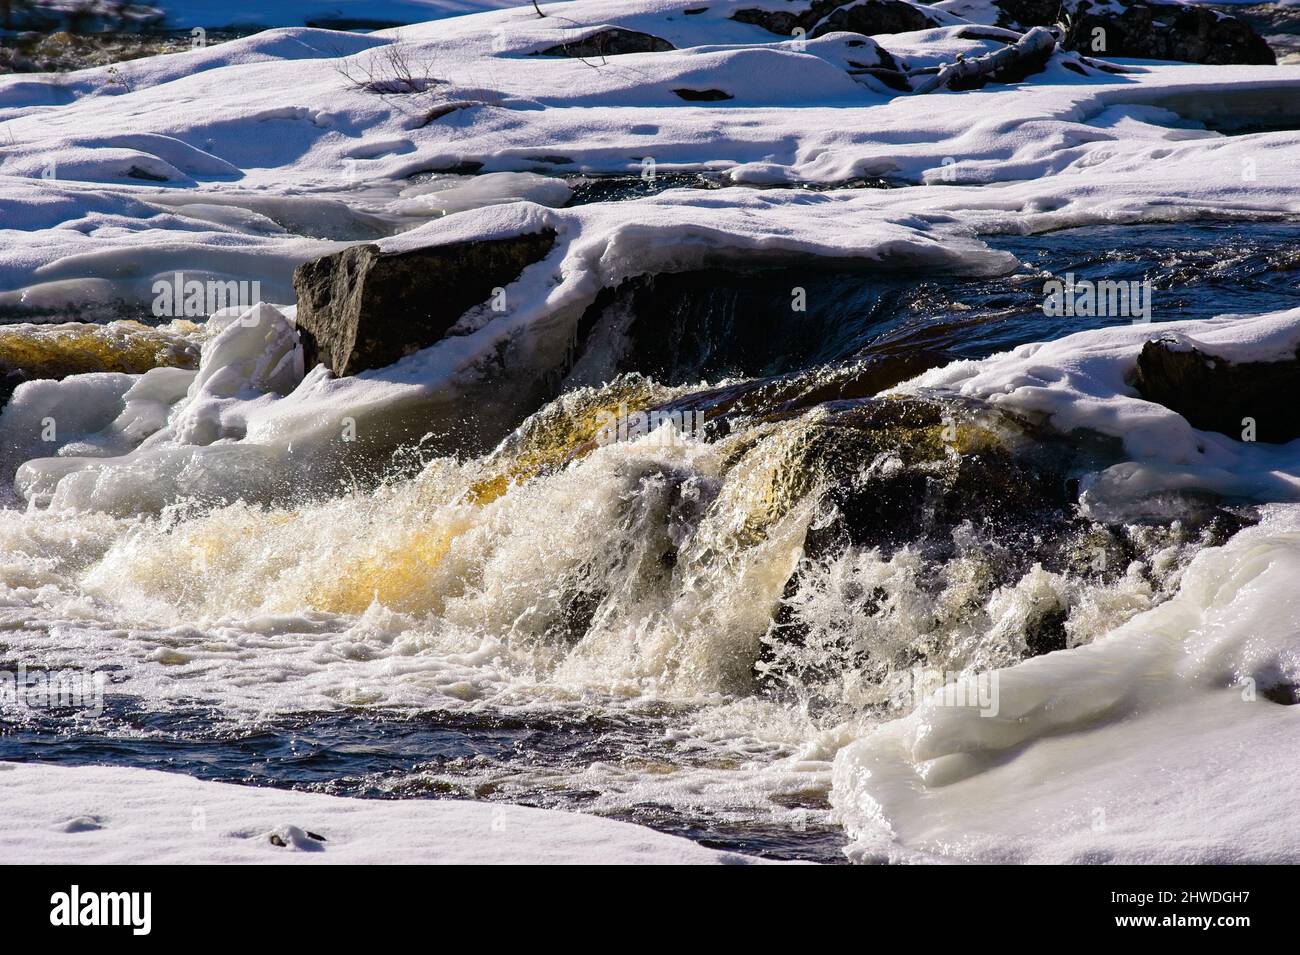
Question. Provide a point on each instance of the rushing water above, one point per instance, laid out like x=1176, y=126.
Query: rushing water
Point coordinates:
x=678, y=739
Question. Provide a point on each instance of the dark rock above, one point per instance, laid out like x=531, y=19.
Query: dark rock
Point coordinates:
x=1287, y=694
x=445, y=109
x=703, y=96
x=1045, y=630
x=611, y=42
x=870, y=17
x=1163, y=31
x=1215, y=395
x=135, y=172
x=1020, y=15
x=894, y=79
x=867, y=17
x=364, y=308
x=781, y=22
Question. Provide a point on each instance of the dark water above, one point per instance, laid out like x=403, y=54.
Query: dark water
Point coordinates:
x=371, y=754
x=589, y=189
x=726, y=323
x=729, y=324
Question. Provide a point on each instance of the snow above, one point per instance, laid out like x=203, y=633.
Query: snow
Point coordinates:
x=244, y=159
x=117, y=816
x=1081, y=382
x=1153, y=744
x=218, y=13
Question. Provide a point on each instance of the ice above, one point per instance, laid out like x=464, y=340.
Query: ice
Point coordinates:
x=456, y=194
x=1156, y=743
x=149, y=436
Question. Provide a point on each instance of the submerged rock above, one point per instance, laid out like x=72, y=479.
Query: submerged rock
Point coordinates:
x=951, y=530
x=365, y=308
x=32, y=352
x=1214, y=394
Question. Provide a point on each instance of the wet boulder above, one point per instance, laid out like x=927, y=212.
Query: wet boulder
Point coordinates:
x=1214, y=394
x=365, y=308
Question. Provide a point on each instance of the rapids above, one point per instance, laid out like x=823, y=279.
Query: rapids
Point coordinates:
x=682, y=627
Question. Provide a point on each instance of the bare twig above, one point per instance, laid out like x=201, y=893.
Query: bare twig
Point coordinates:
x=388, y=73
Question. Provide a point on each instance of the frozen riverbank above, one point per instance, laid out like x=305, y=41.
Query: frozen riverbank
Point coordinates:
x=887, y=460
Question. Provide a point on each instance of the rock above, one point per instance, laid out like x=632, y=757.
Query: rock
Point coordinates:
x=611, y=42
x=1132, y=28
x=1020, y=15
x=703, y=96
x=867, y=17
x=1214, y=394
x=365, y=308
x=1010, y=64
x=1287, y=694
x=1165, y=31
x=774, y=399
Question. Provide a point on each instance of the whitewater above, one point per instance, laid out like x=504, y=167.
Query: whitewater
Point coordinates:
x=215, y=534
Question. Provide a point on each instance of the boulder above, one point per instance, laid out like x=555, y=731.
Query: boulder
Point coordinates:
x=870, y=17
x=1130, y=28
x=611, y=42
x=703, y=96
x=1214, y=394
x=1010, y=64
x=365, y=308
x=1165, y=31
x=867, y=17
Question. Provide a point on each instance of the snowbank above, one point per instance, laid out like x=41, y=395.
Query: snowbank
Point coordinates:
x=272, y=126
x=115, y=816
x=1082, y=382
x=1163, y=742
